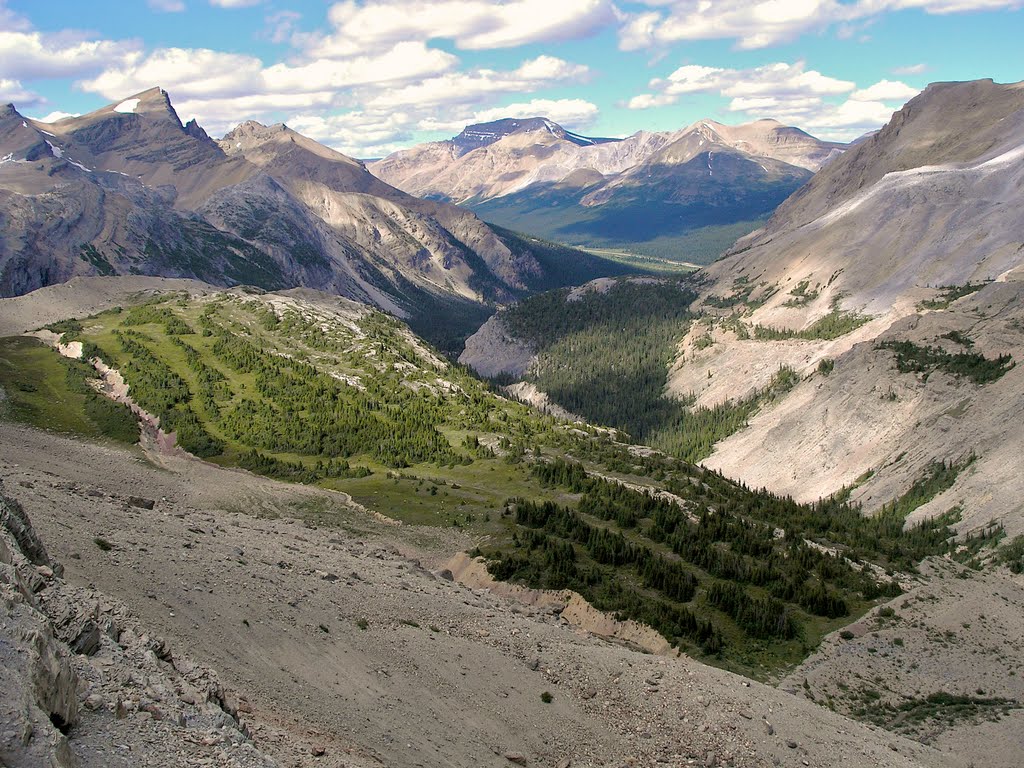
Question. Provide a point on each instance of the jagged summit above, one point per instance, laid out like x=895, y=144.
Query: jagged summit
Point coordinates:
x=534, y=176
x=483, y=134
x=128, y=188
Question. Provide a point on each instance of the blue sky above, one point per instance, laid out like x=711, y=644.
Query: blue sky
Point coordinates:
x=372, y=76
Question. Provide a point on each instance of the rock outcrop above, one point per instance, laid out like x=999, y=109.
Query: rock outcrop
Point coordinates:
x=78, y=673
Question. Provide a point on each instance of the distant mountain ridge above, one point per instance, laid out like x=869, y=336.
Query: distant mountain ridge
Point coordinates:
x=889, y=290
x=534, y=176
x=129, y=189
x=483, y=134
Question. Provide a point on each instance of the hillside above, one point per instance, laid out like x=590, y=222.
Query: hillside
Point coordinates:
x=314, y=389
x=895, y=313
x=128, y=189
x=684, y=194
x=390, y=664
x=406, y=456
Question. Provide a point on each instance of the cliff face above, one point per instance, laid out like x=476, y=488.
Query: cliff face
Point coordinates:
x=884, y=232
x=128, y=189
x=78, y=673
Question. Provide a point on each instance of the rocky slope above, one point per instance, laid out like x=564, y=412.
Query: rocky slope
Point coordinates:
x=882, y=232
x=909, y=241
x=442, y=673
x=85, y=684
x=128, y=189
x=534, y=175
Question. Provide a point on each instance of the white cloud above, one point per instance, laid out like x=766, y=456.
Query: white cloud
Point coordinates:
x=358, y=133
x=166, y=6
x=235, y=3
x=764, y=23
x=910, y=69
x=13, y=92
x=13, y=21
x=779, y=81
x=32, y=54
x=53, y=117
x=886, y=90
x=205, y=74
x=471, y=24
x=648, y=100
x=406, y=61
x=479, y=85
x=281, y=26
x=753, y=24
x=787, y=92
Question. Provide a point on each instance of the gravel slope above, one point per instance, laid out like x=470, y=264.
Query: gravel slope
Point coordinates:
x=274, y=605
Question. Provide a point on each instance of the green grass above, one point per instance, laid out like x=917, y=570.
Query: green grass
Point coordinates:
x=474, y=505
x=48, y=391
x=477, y=451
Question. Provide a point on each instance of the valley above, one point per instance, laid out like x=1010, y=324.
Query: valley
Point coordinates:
x=313, y=389
x=525, y=447
x=682, y=195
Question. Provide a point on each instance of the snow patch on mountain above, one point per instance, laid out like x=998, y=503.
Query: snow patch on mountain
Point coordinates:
x=127, y=106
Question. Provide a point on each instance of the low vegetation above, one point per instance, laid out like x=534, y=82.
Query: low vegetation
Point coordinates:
x=912, y=358
x=758, y=579
x=748, y=580
x=939, y=709
x=949, y=294
x=833, y=325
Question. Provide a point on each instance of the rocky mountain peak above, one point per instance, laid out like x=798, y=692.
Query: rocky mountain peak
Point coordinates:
x=152, y=103
x=254, y=129
x=484, y=134
x=196, y=131
x=946, y=123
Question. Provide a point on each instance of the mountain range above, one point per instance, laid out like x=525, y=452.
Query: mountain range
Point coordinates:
x=808, y=547
x=891, y=285
x=129, y=189
x=651, y=192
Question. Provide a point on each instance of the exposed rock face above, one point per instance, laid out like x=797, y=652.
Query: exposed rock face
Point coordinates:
x=78, y=674
x=492, y=351
x=928, y=201
x=40, y=687
x=537, y=177
x=128, y=189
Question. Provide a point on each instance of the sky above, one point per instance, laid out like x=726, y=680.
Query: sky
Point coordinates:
x=369, y=77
